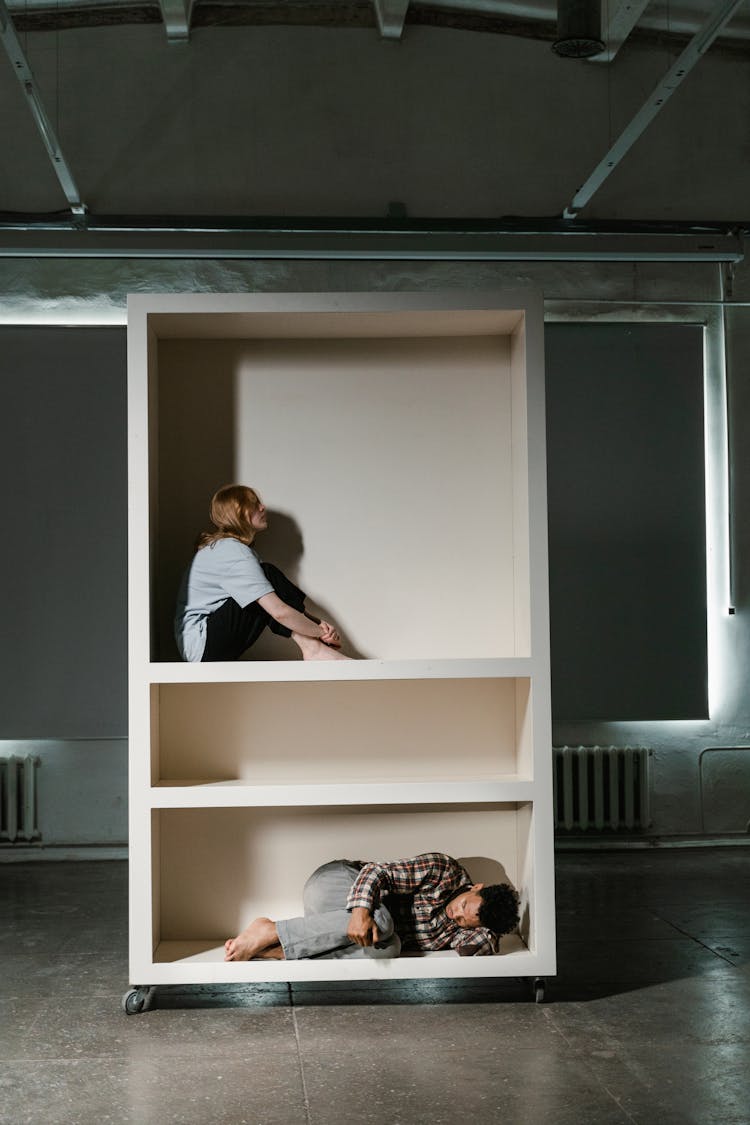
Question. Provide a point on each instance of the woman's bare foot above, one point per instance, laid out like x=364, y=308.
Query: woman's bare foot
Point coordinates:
x=313, y=649
x=254, y=939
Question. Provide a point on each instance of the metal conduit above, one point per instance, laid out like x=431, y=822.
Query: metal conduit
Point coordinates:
x=407, y=240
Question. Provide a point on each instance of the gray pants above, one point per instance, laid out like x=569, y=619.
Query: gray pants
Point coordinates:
x=322, y=932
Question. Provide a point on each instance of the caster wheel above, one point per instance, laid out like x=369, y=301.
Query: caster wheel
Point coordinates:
x=137, y=1000
x=538, y=991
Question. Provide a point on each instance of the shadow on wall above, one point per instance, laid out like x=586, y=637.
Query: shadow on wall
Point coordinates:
x=283, y=545
x=484, y=870
x=196, y=457
x=489, y=871
x=198, y=454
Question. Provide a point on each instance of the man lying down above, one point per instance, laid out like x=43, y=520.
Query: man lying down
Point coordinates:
x=357, y=909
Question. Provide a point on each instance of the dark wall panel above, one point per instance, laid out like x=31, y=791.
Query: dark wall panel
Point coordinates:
x=626, y=468
x=64, y=558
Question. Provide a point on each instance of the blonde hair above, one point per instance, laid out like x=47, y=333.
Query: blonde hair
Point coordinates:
x=231, y=511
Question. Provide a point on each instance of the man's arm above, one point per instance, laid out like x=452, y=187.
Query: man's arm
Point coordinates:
x=478, y=942
x=361, y=902
x=298, y=622
x=362, y=929
x=401, y=877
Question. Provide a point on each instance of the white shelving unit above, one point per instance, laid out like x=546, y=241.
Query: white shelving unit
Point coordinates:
x=398, y=442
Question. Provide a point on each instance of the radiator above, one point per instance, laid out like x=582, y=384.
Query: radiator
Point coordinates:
x=601, y=788
x=18, y=798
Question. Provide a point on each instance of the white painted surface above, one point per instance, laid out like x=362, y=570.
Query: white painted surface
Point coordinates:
x=386, y=468
x=201, y=963
x=231, y=794
x=271, y=671
x=382, y=730
x=222, y=867
x=464, y=761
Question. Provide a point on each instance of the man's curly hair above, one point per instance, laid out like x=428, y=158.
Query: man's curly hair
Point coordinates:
x=499, y=909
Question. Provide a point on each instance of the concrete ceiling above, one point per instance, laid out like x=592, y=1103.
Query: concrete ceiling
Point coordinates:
x=690, y=26
x=646, y=20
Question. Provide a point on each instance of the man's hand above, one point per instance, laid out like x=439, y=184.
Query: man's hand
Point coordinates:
x=362, y=929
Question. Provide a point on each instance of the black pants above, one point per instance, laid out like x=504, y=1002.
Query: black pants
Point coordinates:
x=230, y=630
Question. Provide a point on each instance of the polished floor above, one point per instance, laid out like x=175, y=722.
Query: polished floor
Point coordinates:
x=648, y=1020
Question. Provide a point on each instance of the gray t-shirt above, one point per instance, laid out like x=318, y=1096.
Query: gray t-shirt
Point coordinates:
x=224, y=569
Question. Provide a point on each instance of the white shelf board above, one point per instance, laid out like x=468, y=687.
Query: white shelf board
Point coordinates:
x=202, y=962
x=268, y=671
x=238, y=794
x=330, y=315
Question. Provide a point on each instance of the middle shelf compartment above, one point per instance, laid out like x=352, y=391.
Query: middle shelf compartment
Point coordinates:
x=341, y=733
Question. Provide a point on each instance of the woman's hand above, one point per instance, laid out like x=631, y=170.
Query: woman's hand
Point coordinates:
x=362, y=929
x=329, y=636
x=303, y=623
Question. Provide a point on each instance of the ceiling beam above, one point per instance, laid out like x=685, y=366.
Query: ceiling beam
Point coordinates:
x=674, y=78
x=177, y=15
x=22, y=71
x=391, y=15
x=623, y=17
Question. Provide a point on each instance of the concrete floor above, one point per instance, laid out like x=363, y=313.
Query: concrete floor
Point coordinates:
x=648, y=1020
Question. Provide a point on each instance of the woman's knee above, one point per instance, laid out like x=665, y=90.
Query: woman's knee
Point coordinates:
x=284, y=586
x=273, y=573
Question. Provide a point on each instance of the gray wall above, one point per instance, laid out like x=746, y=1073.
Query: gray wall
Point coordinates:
x=63, y=476
x=699, y=785
x=339, y=123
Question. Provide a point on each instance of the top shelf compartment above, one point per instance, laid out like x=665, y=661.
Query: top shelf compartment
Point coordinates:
x=386, y=433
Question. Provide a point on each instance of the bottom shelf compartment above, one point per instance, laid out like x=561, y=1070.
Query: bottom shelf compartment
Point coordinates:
x=215, y=869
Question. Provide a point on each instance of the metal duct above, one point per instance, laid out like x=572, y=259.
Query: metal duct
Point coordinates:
x=579, y=29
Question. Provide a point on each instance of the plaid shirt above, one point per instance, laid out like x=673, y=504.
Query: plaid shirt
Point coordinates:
x=416, y=892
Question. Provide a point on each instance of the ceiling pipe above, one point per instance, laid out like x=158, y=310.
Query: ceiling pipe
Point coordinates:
x=405, y=240
x=579, y=29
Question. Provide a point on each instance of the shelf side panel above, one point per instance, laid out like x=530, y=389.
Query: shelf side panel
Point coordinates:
x=519, y=523
x=156, y=880
x=524, y=727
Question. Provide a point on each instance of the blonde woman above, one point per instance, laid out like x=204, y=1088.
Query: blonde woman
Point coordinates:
x=228, y=596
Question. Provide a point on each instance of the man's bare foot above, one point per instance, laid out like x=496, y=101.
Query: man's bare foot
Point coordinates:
x=273, y=953
x=313, y=649
x=254, y=939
